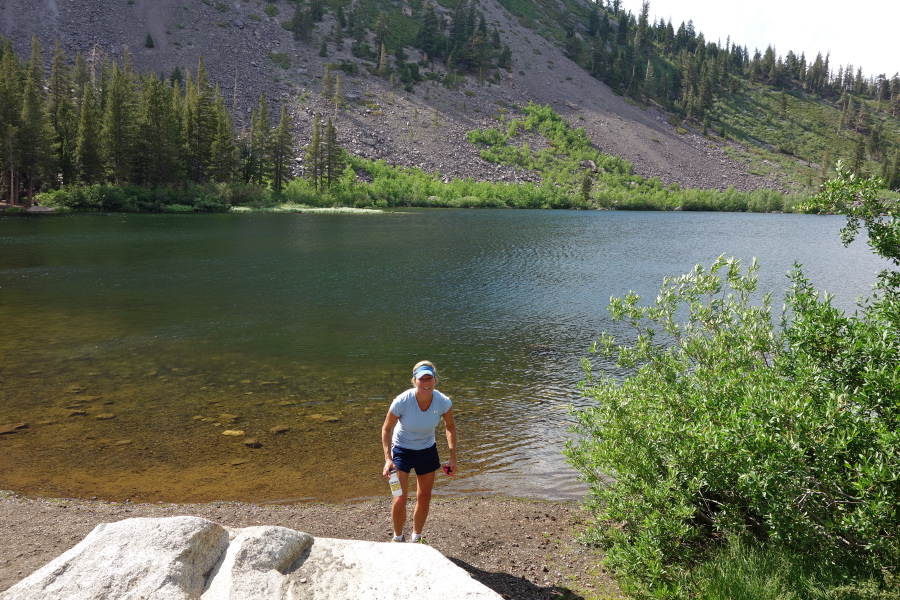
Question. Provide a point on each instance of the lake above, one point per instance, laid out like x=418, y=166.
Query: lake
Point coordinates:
x=130, y=342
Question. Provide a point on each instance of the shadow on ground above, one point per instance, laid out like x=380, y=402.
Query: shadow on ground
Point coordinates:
x=518, y=588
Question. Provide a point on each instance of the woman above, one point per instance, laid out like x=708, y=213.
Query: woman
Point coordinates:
x=409, y=443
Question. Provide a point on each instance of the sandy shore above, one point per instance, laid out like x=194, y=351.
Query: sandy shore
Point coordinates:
x=522, y=549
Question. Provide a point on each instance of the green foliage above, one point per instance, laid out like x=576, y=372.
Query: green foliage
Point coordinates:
x=736, y=458
x=569, y=155
x=280, y=58
x=133, y=198
x=862, y=201
x=727, y=426
x=271, y=10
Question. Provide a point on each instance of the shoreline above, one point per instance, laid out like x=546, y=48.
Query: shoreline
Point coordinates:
x=522, y=549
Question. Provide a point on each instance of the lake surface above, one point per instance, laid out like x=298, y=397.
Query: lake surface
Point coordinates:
x=130, y=343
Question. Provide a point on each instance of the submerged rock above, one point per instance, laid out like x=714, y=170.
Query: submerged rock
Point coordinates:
x=12, y=428
x=233, y=432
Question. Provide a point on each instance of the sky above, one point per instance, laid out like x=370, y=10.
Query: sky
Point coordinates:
x=862, y=32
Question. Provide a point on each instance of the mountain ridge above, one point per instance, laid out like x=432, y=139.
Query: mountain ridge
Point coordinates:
x=426, y=128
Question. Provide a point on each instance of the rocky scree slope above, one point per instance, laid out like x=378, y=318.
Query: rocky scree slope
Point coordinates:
x=426, y=128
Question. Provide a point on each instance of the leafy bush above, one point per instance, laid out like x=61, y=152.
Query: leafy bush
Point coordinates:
x=726, y=427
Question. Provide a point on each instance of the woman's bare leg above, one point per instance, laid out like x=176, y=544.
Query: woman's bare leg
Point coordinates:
x=424, y=484
x=398, y=508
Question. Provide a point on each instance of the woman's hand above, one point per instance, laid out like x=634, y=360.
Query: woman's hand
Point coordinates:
x=388, y=465
x=451, y=467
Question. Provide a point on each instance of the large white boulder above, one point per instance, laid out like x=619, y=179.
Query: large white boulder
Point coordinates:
x=191, y=558
x=344, y=569
x=164, y=559
x=255, y=564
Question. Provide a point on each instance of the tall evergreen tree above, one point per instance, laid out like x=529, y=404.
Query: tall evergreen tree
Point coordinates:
x=88, y=152
x=282, y=151
x=63, y=115
x=158, y=135
x=200, y=124
x=11, y=81
x=429, y=39
x=260, y=143
x=120, y=125
x=314, y=158
x=383, y=67
x=327, y=83
x=333, y=156
x=35, y=131
x=224, y=149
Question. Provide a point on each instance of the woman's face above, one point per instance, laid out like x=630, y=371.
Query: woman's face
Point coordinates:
x=425, y=383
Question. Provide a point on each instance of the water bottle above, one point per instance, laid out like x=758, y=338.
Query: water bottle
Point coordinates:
x=394, y=480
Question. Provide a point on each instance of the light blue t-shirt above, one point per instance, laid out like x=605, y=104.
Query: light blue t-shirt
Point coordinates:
x=415, y=429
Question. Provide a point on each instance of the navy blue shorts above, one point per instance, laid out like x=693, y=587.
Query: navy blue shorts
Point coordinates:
x=423, y=461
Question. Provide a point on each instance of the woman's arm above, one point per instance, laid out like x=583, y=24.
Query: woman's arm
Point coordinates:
x=387, y=431
x=450, y=426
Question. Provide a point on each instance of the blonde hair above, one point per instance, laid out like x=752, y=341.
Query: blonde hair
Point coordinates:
x=423, y=363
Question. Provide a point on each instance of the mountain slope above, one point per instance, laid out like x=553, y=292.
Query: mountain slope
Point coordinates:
x=238, y=41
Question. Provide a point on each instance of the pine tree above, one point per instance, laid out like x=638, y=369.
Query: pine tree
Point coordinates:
x=327, y=83
x=338, y=97
x=314, y=158
x=63, y=115
x=383, y=67
x=381, y=27
x=260, y=143
x=120, y=125
x=199, y=124
x=88, y=152
x=11, y=79
x=282, y=151
x=224, y=149
x=429, y=35
x=158, y=135
x=35, y=131
x=333, y=156
x=301, y=23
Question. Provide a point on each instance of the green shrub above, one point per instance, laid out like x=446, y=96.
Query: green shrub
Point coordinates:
x=729, y=426
x=724, y=426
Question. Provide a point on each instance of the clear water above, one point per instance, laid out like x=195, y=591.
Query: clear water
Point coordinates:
x=130, y=343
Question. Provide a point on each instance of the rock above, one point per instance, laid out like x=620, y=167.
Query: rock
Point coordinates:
x=324, y=419
x=105, y=416
x=12, y=428
x=77, y=413
x=287, y=403
x=124, y=442
x=181, y=558
x=252, y=443
x=228, y=417
x=164, y=559
x=278, y=429
x=239, y=461
x=255, y=563
x=233, y=432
